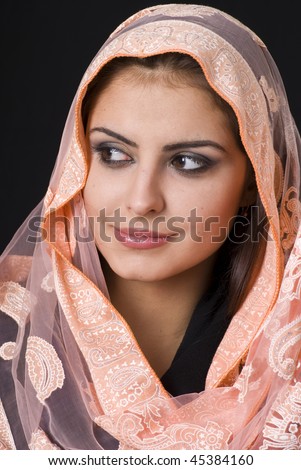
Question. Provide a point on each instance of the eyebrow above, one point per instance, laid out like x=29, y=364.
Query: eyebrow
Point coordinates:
x=120, y=137
x=168, y=147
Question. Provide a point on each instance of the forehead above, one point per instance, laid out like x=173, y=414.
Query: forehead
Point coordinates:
x=157, y=114
x=127, y=94
x=133, y=82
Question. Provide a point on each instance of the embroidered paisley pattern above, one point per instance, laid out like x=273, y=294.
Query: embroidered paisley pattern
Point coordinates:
x=170, y=10
x=243, y=383
x=6, y=438
x=281, y=343
x=72, y=178
x=40, y=441
x=107, y=343
x=283, y=427
x=14, y=301
x=270, y=94
x=289, y=218
x=44, y=367
x=48, y=282
x=291, y=285
x=178, y=436
x=7, y=350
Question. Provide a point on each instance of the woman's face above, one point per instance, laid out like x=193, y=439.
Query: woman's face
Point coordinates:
x=166, y=177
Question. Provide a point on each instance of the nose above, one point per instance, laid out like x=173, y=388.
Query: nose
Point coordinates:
x=145, y=193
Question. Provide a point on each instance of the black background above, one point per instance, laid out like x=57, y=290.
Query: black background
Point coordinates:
x=45, y=49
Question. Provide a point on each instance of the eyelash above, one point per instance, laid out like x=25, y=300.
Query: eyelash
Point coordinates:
x=205, y=162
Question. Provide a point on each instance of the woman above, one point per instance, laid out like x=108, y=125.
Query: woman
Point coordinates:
x=157, y=305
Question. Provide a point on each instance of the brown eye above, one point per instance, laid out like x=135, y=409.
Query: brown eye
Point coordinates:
x=110, y=155
x=191, y=163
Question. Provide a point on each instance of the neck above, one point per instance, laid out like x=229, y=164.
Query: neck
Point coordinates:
x=158, y=312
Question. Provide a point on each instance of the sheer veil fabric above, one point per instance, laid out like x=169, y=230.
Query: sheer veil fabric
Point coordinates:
x=72, y=373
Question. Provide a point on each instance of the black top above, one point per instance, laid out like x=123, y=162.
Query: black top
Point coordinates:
x=208, y=324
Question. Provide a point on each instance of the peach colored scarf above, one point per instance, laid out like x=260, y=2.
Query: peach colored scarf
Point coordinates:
x=72, y=373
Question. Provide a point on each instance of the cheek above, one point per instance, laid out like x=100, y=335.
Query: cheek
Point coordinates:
x=90, y=198
x=213, y=211
x=96, y=196
x=222, y=201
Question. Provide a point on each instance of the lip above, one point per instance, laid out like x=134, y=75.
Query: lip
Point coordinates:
x=140, y=239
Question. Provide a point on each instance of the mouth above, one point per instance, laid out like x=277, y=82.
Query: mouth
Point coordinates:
x=139, y=238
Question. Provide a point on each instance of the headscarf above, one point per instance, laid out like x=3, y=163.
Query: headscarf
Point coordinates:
x=72, y=373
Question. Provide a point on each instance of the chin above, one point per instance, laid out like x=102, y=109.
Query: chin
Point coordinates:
x=140, y=277
x=142, y=273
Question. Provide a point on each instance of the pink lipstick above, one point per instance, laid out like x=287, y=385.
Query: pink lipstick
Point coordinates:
x=140, y=239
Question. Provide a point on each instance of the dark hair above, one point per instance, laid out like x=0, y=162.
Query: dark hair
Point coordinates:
x=243, y=252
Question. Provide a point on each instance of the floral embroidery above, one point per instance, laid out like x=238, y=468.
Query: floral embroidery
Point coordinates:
x=6, y=438
x=14, y=301
x=7, y=350
x=40, y=441
x=270, y=94
x=48, y=282
x=48, y=198
x=166, y=10
x=182, y=11
x=243, y=384
x=291, y=284
x=72, y=178
x=44, y=367
x=283, y=426
x=178, y=436
x=290, y=214
x=286, y=337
